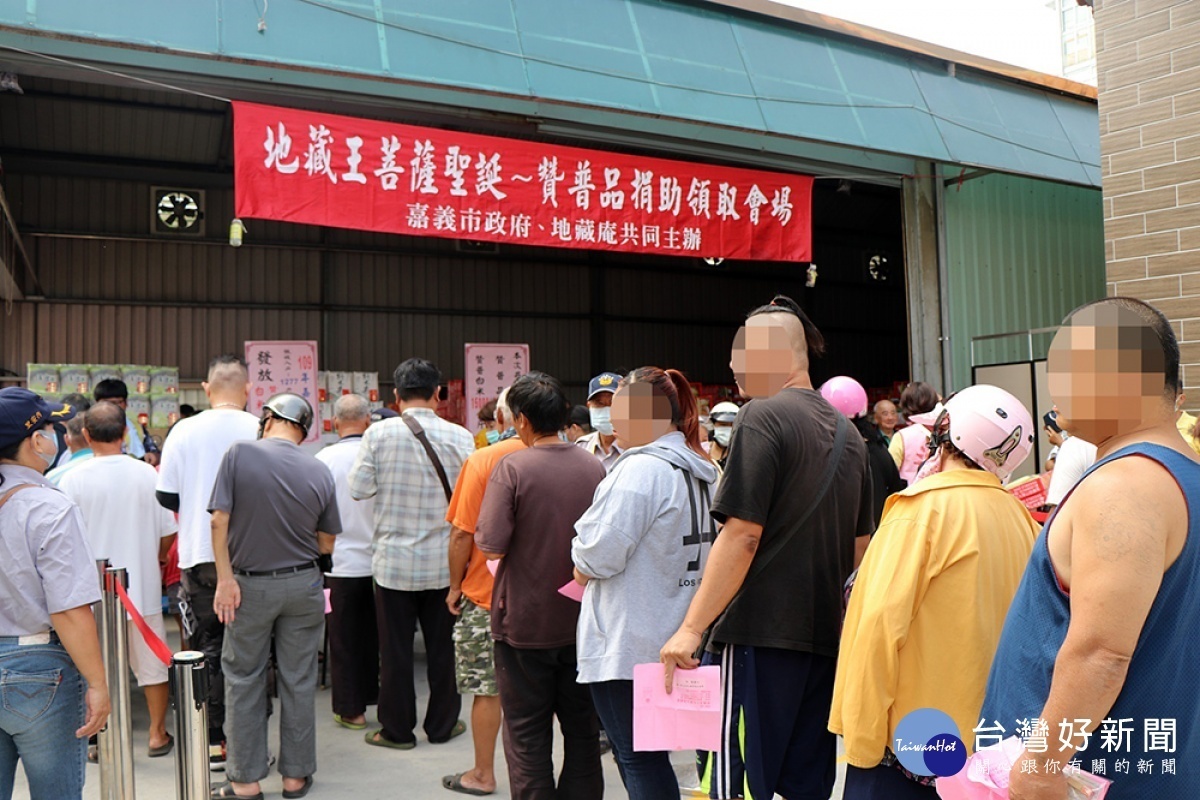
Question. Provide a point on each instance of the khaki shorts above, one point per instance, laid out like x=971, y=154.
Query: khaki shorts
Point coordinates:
x=474, y=662
x=144, y=665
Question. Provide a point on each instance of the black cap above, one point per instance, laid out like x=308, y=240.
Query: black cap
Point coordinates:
x=380, y=414
x=22, y=412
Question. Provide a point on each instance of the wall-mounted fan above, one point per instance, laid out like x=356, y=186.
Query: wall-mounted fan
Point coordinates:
x=178, y=212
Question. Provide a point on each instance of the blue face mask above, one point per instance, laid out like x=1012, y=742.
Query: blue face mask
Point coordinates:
x=493, y=437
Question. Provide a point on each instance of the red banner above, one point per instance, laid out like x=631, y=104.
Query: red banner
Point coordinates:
x=344, y=172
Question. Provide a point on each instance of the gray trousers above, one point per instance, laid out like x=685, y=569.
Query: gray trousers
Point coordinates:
x=292, y=607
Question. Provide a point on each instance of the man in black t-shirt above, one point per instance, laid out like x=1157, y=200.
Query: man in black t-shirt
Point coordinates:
x=773, y=582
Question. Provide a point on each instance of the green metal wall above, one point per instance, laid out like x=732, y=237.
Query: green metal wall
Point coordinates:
x=1020, y=254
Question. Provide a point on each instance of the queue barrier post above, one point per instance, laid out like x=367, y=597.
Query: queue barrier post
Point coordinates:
x=120, y=723
x=190, y=681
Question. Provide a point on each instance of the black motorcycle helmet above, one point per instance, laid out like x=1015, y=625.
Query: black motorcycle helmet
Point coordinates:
x=290, y=407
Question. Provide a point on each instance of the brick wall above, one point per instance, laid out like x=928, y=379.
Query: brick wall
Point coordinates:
x=1148, y=54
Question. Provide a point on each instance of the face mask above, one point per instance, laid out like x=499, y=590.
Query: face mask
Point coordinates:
x=601, y=420
x=492, y=437
x=53, y=440
x=722, y=436
x=562, y=435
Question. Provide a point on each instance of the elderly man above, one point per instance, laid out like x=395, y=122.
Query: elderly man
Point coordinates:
x=353, y=637
x=1099, y=644
x=126, y=525
x=795, y=496
x=409, y=465
x=274, y=512
x=190, y=459
x=885, y=417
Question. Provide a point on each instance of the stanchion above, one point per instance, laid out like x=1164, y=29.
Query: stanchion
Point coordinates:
x=104, y=747
x=190, y=681
x=120, y=721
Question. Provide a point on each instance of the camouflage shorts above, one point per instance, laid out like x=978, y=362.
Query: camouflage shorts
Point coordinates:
x=474, y=665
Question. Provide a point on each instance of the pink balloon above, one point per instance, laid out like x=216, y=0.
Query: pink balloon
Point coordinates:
x=846, y=395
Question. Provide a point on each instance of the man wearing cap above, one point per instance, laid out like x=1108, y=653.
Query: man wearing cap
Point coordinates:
x=274, y=514
x=47, y=586
x=409, y=466
x=602, y=441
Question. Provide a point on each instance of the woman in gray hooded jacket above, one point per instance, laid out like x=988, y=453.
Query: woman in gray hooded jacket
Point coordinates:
x=640, y=549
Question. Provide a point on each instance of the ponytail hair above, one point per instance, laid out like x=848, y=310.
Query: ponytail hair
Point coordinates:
x=685, y=413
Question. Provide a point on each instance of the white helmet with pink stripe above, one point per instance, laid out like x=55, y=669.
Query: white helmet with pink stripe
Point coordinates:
x=989, y=426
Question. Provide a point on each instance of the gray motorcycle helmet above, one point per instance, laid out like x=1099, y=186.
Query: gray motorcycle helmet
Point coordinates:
x=291, y=407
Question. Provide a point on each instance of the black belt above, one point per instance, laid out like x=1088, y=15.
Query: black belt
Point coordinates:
x=271, y=573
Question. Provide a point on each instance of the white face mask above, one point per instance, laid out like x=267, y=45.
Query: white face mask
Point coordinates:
x=722, y=436
x=601, y=420
x=49, y=437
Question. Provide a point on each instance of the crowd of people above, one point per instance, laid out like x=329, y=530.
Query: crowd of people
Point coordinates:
x=846, y=566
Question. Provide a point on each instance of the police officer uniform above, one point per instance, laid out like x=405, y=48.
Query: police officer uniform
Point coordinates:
x=46, y=569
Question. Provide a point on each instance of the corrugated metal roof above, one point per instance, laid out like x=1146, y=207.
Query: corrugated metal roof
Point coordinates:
x=655, y=58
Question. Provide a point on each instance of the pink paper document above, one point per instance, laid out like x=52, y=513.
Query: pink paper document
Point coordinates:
x=572, y=591
x=689, y=718
x=493, y=566
x=328, y=604
x=985, y=776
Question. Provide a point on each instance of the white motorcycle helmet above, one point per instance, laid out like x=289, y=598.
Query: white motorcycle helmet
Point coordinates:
x=989, y=426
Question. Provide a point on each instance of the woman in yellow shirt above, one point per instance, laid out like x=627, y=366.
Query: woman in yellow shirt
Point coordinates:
x=931, y=596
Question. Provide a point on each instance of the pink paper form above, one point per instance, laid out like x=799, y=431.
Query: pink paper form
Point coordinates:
x=689, y=718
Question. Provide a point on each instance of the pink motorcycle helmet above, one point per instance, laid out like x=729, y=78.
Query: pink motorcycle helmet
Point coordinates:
x=846, y=395
x=989, y=426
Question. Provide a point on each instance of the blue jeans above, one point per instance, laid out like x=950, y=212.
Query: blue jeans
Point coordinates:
x=647, y=776
x=41, y=707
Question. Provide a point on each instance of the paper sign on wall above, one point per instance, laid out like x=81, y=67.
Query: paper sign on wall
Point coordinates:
x=277, y=367
x=491, y=368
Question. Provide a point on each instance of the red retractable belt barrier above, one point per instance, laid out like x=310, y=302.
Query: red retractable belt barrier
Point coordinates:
x=157, y=645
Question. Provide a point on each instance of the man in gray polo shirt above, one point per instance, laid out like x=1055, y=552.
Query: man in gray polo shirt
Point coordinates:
x=274, y=514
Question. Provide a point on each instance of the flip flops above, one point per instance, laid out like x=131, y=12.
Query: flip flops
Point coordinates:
x=376, y=738
x=459, y=729
x=454, y=783
x=162, y=749
x=225, y=791
x=354, y=726
x=302, y=791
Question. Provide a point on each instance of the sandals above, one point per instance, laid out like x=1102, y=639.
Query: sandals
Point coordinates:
x=354, y=726
x=225, y=791
x=302, y=791
x=162, y=749
x=376, y=738
x=454, y=783
x=459, y=729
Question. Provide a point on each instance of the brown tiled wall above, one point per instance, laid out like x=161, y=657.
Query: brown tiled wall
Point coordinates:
x=1149, y=53
x=1149, y=80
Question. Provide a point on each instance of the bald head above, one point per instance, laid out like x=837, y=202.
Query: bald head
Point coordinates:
x=105, y=423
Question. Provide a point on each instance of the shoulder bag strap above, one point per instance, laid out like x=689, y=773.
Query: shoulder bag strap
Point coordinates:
x=14, y=490
x=419, y=432
x=776, y=546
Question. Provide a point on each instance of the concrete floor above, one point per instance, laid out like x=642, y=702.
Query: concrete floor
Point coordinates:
x=348, y=768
